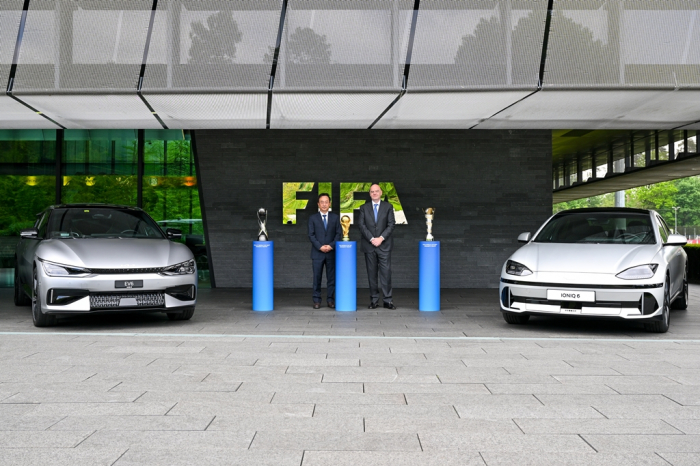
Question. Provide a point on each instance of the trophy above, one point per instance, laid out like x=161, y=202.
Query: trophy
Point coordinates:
x=345, y=225
x=429, y=214
x=262, y=220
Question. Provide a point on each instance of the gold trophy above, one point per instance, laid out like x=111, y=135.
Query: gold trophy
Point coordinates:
x=345, y=225
x=429, y=214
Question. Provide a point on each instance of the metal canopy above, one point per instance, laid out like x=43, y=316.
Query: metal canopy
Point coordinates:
x=583, y=64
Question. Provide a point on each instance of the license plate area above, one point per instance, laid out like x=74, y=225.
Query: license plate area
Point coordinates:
x=571, y=296
x=128, y=284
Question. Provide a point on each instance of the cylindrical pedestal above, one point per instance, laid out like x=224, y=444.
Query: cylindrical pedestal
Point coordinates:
x=345, y=276
x=429, y=276
x=263, y=276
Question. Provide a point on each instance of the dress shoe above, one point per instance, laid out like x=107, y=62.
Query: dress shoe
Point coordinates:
x=373, y=306
x=331, y=304
x=389, y=305
x=317, y=305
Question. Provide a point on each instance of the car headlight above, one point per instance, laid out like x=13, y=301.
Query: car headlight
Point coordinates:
x=516, y=268
x=60, y=270
x=183, y=268
x=639, y=272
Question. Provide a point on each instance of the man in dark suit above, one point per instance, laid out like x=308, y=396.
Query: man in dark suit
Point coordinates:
x=324, y=231
x=376, y=225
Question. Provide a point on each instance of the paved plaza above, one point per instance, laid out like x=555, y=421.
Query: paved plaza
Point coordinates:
x=304, y=387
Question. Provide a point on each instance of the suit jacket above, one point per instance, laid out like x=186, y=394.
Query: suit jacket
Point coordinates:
x=320, y=236
x=384, y=226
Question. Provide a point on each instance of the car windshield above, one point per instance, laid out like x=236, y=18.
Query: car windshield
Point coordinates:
x=101, y=222
x=598, y=227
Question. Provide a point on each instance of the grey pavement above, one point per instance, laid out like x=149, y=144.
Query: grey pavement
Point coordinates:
x=305, y=387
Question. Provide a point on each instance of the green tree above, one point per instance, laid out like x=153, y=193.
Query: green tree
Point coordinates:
x=216, y=42
x=604, y=200
x=305, y=47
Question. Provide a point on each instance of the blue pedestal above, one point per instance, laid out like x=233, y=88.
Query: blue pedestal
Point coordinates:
x=346, y=276
x=263, y=276
x=429, y=276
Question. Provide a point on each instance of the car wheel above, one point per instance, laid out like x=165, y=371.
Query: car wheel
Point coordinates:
x=21, y=298
x=40, y=319
x=681, y=302
x=184, y=315
x=661, y=326
x=515, y=318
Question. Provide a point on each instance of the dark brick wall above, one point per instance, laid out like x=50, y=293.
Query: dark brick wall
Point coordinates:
x=486, y=187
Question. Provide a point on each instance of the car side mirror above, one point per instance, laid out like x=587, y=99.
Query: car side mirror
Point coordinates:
x=173, y=233
x=524, y=237
x=29, y=233
x=676, y=240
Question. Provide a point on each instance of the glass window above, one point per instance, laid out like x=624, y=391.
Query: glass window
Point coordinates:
x=598, y=227
x=27, y=187
x=663, y=232
x=100, y=166
x=170, y=192
x=102, y=223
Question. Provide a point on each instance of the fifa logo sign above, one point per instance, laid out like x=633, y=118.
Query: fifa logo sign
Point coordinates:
x=348, y=203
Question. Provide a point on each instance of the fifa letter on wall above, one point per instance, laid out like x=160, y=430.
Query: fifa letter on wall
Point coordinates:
x=290, y=203
x=348, y=204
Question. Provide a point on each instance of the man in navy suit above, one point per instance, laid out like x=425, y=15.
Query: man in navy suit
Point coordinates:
x=376, y=225
x=324, y=231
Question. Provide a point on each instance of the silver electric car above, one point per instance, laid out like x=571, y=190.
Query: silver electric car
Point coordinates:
x=82, y=258
x=607, y=262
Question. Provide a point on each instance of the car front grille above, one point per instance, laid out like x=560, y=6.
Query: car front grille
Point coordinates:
x=127, y=271
x=113, y=301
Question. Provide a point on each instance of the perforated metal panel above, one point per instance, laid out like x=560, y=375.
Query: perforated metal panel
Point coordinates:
x=447, y=109
x=108, y=111
x=83, y=44
x=9, y=25
x=337, y=110
x=14, y=115
x=348, y=44
x=600, y=109
x=615, y=43
x=212, y=111
x=462, y=44
x=220, y=44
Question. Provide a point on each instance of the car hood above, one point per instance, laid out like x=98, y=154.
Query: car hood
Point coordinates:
x=584, y=258
x=113, y=253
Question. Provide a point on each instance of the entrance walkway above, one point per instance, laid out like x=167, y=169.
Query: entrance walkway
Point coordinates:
x=299, y=386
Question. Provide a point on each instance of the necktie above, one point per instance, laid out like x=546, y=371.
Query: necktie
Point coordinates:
x=375, y=212
x=325, y=224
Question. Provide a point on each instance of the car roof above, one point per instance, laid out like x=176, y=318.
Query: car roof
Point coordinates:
x=93, y=205
x=628, y=210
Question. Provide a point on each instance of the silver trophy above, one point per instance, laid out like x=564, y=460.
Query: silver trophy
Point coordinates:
x=429, y=214
x=262, y=222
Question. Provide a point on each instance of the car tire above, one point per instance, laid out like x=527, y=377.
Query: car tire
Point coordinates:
x=40, y=319
x=21, y=298
x=681, y=302
x=661, y=326
x=515, y=318
x=184, y=315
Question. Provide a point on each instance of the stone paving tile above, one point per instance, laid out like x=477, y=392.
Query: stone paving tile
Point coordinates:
x=597, y=426
x=472, y=400
x=395, y=411
x=483, y=442
x=340, y=398
x=283, y=387
x=194, y=408
x=282, y=423
x=223, y=456
x=36, y=423
x=687, y=426
x=436, y=388
x=101, y=409
x=549, y=389
x=234, y=440
x=45, y=439
x=648, y=411
x=529, y=458
x=644, y=443
x=60, y=456
x=419, y=426
x=224, y=398
x=272, y=440
x=71, y=396
x=379, y=458
x=518, y=411
x=132, y=423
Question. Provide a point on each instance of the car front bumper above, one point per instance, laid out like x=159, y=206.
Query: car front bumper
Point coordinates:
x=99, y=293
x=625, y=301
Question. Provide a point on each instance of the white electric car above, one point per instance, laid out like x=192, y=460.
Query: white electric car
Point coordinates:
x=604, y=262
x=83, y=258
